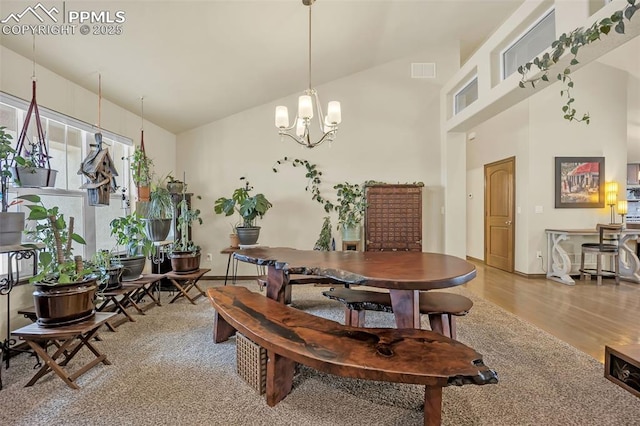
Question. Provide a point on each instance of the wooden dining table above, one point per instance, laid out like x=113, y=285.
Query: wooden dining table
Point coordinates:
x=404, y=274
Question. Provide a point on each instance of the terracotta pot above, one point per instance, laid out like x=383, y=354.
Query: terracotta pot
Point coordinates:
x=63, y=304
x=144, y=193
x=184, y=262
x=234, y=241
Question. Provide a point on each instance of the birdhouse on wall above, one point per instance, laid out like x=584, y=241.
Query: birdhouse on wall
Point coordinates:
x=100, y=171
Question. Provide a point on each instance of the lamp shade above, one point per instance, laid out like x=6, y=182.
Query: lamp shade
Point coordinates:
x=305, y=106
x=622, y=207
x=334, y=114
x=282, y=117
x=611, y=198
x=611, y=187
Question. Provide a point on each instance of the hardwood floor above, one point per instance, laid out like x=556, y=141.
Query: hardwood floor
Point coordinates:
x=585, y=316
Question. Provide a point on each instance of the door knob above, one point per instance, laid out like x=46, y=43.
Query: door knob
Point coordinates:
x=508, y=222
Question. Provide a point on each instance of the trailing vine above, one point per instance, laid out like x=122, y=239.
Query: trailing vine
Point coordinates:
x=573, y=41
x=314, y=180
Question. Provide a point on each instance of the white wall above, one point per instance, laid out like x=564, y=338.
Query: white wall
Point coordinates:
x=633, y=120
x=535, y=132
x=390, y=133
x=57, y=93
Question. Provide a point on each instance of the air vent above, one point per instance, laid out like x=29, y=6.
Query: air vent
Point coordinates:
x=423, y=70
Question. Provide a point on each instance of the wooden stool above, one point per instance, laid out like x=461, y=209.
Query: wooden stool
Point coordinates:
x=185, y=282
x=68, y=339
x=441, y=307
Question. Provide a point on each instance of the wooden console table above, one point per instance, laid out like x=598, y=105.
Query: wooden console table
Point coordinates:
x=559, y=262
x=68, y=340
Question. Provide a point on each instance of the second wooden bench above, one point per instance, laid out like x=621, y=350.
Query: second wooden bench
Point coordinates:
x=441, y=307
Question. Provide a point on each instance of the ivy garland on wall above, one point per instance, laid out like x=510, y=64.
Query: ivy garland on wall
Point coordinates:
x=573, y=41
x=314, y=180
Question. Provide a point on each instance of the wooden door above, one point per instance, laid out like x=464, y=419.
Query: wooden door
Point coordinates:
x=499, y=202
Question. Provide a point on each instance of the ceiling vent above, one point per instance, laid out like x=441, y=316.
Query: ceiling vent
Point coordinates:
x=423, y=70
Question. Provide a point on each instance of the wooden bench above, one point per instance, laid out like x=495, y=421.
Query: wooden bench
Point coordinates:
x=385, y=354
x=442, y=308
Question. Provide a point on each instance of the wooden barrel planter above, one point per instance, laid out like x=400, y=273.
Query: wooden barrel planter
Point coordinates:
x=62, y=304
x=184, y=262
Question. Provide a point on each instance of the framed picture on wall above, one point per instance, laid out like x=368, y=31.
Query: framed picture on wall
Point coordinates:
x=578, y=182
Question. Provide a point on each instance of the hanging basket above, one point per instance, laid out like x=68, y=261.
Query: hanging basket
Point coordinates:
x=26, y=177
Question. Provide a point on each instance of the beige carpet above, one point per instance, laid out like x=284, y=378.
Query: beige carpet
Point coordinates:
x=167, y=371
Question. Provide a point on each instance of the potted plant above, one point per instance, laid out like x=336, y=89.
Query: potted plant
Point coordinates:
x=31, y=171
x=351, y=206
x=130, y=233
x=159, y=212
x=11, y=223
x=249, y=207
x=175, y=186
x=185, y=254
x=234, y=241
x=110, y=270
x=141, y=173
x=65, y=286
x=325, y=241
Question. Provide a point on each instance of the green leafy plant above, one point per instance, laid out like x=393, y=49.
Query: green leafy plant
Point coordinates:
x=160, y=205
x=130, y=233
x=573, y=42
x=56, y=264
x=105, y=262
x=141, y=168
x=324, y=240
x=351, y=204
x=249, y=207
x=314, y=179
x=185, y=219
x=34, y=158
x=7, y=156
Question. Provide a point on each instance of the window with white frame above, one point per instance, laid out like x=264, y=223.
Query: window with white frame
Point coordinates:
x=534, y=41
x=465, y=96
x=68, y=142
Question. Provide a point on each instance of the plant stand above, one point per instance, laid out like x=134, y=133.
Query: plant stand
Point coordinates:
x=14, y=255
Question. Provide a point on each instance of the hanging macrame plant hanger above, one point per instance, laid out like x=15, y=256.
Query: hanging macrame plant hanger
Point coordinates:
x=36, y=170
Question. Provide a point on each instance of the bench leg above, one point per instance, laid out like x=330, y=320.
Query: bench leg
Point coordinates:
x=279, y=377
x=353, y=318
x=221, y=329
x=443, y=324
x=432, y=405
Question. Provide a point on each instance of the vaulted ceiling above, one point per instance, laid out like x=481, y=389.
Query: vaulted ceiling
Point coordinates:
x=199, y=61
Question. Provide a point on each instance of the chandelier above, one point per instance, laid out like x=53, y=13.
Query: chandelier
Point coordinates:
x=299, y=131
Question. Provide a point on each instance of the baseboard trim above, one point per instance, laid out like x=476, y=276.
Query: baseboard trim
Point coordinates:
x=222, y=277
x=518, y=273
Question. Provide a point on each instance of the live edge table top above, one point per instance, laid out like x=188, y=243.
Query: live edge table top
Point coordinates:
x=391, y=270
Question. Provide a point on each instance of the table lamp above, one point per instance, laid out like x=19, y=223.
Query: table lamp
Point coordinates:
x=611, y=197
x=622, y=209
